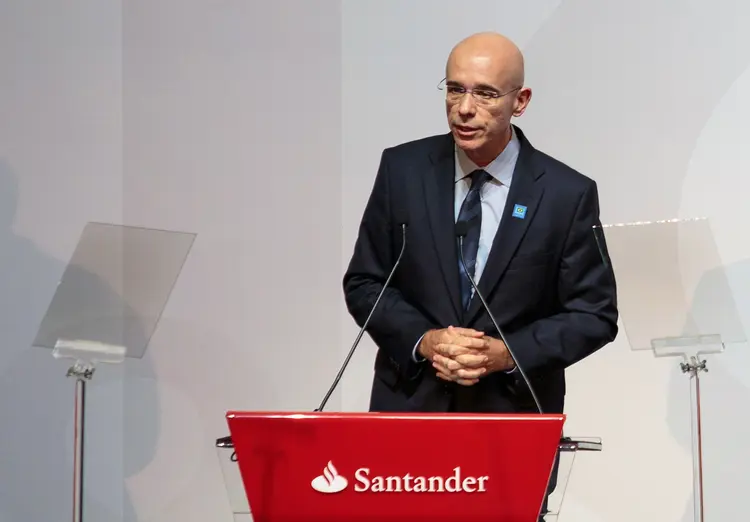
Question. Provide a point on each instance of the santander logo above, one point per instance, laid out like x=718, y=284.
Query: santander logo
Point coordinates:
x=365, y=481
x=330, y=481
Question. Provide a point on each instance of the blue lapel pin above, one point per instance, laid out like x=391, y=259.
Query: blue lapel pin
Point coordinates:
x=519, y=211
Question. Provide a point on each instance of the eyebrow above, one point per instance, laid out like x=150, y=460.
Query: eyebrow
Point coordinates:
x=481, y=86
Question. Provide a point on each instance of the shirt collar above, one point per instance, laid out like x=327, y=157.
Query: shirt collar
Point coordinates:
x=501, y=168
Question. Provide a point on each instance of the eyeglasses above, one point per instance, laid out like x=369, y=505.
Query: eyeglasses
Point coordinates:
x=485, y=96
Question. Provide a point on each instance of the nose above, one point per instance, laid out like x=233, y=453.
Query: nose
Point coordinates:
x=466, y=107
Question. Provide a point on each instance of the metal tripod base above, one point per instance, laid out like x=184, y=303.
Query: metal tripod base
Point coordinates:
x=691, y=350
x=85, y=354
x=694, y=366
x=82, y=372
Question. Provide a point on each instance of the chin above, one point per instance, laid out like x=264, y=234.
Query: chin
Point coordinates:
x=467, y=143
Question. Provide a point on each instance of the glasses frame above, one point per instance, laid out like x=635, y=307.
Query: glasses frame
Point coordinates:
x=496, y=95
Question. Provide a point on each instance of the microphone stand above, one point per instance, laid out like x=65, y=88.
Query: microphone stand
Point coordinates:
x=461, y=235
x=367, y=322
x=226, y=442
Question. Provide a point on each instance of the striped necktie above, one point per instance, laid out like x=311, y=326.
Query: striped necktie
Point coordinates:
x=471, y=215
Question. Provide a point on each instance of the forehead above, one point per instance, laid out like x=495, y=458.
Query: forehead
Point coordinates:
x=475, y=70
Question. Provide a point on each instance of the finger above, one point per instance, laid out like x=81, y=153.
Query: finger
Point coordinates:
x=451, y=378
x=470, y=373
x=470, y=360
x=450, y=350
x=439, y=368
x=444, y=374
x=471, y=342
x=469, y=332
x=446, y=363
x=453, y=348
x=444, y=377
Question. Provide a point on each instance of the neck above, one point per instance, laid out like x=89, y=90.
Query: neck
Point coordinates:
x=484, y=156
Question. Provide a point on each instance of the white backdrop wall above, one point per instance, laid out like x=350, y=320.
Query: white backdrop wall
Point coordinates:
x=60, y=166
x=259, y=125
x=220, y=118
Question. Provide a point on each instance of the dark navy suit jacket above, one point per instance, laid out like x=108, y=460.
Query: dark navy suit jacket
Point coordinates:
x=547, y=279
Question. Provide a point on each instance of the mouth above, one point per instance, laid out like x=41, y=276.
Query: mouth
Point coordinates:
x=465, y=131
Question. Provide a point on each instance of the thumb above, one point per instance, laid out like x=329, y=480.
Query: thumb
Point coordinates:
x=468, y=332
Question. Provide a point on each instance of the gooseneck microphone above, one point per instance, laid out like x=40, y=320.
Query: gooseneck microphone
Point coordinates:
x=226, y=442
x=367, y=321
x=461, y=231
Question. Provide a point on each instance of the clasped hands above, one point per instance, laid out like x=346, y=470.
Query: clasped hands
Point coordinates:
x=464, y=355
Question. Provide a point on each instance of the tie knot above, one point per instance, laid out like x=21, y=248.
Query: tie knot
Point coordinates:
x=478, y=178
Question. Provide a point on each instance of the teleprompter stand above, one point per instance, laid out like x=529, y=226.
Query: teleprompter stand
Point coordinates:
x=106, y=307
x=674, y=300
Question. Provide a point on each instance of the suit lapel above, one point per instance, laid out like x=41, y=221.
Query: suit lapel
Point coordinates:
x=525, y=191
x=438, y=191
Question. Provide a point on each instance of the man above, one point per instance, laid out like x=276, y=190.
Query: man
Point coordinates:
x=529, y=242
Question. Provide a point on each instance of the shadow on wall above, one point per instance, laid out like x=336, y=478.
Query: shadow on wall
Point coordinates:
x=725, y=396
x=621, y=54
x=638, y=87
x=36, y=399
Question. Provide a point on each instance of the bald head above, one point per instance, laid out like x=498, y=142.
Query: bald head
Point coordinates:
x=484, y=90
x=492, y=54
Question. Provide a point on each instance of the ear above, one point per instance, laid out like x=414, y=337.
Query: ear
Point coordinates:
x=522, y=101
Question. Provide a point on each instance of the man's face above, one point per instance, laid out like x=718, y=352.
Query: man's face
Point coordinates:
x=480, y=119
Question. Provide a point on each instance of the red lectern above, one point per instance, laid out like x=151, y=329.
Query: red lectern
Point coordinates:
x=349, y=467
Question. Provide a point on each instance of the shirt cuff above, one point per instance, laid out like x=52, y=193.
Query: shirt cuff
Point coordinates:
x=416, y=357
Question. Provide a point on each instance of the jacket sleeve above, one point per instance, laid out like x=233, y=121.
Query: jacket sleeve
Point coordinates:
x=588, y=314
x=396, y=326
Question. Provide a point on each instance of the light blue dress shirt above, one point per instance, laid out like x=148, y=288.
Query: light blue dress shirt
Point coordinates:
x=493, y=197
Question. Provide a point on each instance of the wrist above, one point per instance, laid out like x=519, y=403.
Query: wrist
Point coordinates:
x=423, y=348
x=502, y=361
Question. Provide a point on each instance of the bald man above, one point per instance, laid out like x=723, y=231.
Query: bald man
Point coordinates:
x=525, y=220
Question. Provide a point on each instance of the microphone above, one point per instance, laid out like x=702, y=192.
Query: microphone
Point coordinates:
x=461, y=231
x=367, y=321
x=226, y=442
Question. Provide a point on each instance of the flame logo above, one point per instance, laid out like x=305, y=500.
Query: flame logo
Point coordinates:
x=330, y=481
